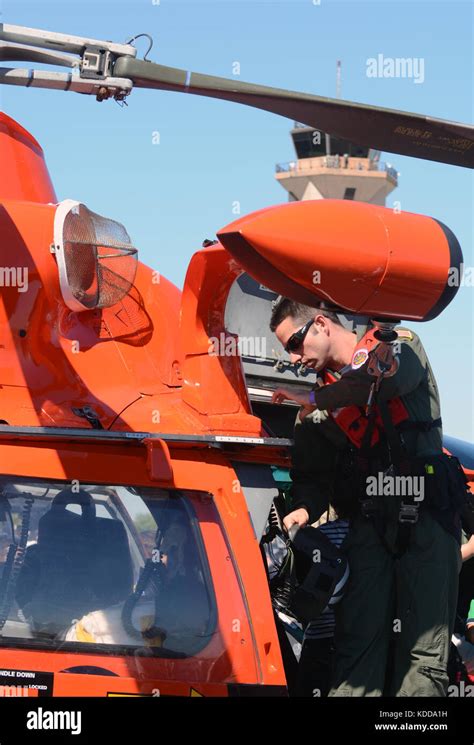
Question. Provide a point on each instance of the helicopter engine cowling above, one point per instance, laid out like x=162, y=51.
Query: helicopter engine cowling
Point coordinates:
x=360, y=258
x=24, y=172
x=91, y=337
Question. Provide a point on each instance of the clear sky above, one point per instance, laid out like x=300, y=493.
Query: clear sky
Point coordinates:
x=172, y=195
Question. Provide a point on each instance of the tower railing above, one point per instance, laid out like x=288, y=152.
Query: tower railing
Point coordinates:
x=342, y=162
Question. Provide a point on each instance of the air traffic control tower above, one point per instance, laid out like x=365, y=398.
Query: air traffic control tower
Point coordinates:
x=327, y=167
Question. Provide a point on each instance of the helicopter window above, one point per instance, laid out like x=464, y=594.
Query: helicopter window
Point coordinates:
x=111, y=566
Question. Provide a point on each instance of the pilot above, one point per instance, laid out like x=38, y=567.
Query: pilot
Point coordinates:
x=394, y=623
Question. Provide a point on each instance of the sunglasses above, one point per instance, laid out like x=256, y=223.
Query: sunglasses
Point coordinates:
x=296, y=339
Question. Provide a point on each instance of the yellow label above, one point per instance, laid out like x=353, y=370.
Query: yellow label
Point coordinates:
x=405, y=334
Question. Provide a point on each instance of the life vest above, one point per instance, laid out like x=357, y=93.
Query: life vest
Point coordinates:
x=354, y=422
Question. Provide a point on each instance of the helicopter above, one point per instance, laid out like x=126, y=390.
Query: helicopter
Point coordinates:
x=138, y=469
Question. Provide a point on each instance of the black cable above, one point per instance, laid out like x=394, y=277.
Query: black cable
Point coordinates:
x=151, y=572
x=138, y=36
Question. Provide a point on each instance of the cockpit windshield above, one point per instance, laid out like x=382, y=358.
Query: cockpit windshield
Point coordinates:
x=113, y=566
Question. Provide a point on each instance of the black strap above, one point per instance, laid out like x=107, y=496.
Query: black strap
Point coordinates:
x=420, y=426
x=366, y=445
x=380, y=525
x=397, y=451
x=393, y=436
x=404, y=535
x=371, y=508
x=408, y=515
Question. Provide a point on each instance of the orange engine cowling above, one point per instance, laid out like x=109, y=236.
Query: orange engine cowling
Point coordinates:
x=24, y=173
x=359, y=257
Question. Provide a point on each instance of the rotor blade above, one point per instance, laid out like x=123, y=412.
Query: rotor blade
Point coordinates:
x=22, y=53
x=379, y=128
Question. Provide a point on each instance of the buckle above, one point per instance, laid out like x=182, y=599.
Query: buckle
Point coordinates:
x=408, y=513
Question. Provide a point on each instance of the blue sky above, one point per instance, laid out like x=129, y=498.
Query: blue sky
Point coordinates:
x=211, y=154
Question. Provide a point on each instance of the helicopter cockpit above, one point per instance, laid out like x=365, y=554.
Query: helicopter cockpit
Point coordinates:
x=104, y=565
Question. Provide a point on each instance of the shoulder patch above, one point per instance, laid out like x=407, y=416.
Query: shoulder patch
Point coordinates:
x=405, y=334
x=358, y=358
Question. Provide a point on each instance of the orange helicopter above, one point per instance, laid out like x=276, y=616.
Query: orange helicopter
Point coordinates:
x=140, y=454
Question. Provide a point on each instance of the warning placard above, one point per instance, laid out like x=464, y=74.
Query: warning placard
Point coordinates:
x=23, y=680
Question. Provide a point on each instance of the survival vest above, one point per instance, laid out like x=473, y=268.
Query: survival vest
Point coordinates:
x=352, y=419
x=354, y=422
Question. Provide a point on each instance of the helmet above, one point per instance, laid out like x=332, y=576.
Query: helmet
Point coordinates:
x=321, y=571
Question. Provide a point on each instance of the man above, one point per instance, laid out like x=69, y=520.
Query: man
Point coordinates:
x=394, y=624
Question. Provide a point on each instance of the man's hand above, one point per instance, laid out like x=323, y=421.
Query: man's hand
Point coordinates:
x=297, y=517
x=302, y=399
x=467, y=549
x=281, y=395
x=305, y=410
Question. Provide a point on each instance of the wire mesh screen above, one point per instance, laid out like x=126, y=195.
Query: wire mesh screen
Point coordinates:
x=100, y=260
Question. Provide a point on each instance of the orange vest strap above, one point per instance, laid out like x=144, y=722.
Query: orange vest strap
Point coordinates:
x=353, y=421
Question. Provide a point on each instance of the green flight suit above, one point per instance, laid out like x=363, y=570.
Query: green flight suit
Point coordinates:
x=395, y=621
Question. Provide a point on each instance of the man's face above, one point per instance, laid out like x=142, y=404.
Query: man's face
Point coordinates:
x=314, y=351
x=172, y=547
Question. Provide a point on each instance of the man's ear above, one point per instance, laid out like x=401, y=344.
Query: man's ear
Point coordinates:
x=321, y=323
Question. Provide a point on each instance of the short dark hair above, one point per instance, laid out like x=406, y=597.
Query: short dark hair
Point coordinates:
x=285, y=308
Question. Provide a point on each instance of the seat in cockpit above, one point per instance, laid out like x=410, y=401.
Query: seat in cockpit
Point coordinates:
x=81, y=562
